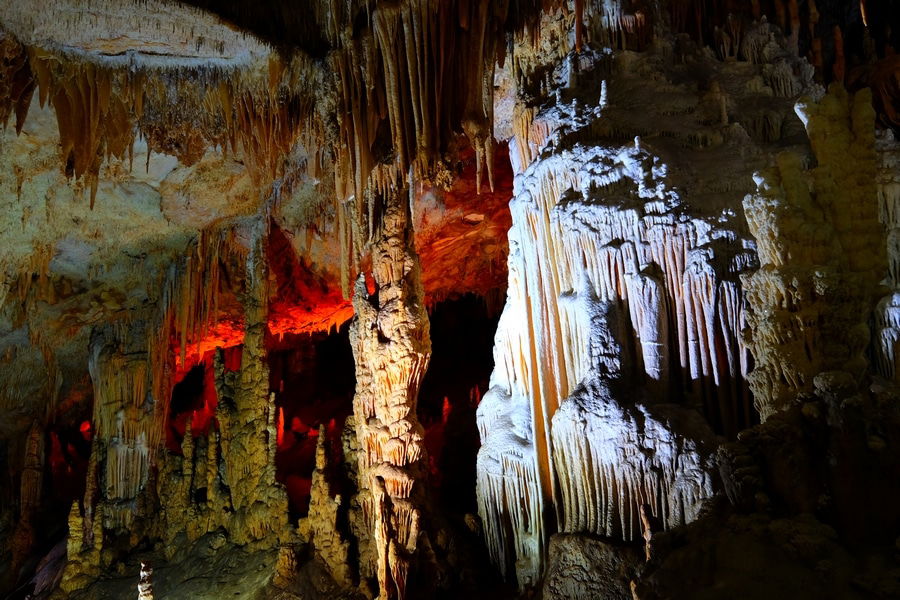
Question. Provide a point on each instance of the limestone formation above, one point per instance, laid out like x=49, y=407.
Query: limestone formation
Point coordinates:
x=560, y=298
x=583, y=567
x=32, y=488
x=321, y=526
x=821, y=253
x=247, y=421
x=391, y=346
x=145, y=585
x=617, y=458
x=128, y=424
x=598, y=218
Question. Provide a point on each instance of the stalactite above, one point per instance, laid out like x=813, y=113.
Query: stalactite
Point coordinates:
x=391, y=346
x=128, y=422
x=101, y=108
x=887, y=313
x=839, y=68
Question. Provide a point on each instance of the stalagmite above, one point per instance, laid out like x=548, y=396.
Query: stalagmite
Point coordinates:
x=260, y=504
x=320, y=527
x=145, y=585
x=391, y=347
x=83, y=551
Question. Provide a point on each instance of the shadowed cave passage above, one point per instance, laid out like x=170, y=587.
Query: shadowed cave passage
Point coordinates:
x=194, y=397
x=68, y=450
x=312, y=376
x=462, y=338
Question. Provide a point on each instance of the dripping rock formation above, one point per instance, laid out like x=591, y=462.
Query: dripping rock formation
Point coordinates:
x=406, y=299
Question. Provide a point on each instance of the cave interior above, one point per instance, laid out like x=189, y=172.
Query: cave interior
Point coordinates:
x=402, y=299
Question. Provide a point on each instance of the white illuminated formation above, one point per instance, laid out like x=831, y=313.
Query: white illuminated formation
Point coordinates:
x=145, y=586
x=613, y=456
x=599, y=222
x=606, y=218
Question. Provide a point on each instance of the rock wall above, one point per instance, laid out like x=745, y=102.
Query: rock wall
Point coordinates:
x=822, y=255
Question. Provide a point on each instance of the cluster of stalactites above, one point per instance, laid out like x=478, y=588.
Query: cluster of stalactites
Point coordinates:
x=614, y=458
x=602, y=221
x=822, y=254
x=391, y=347
x=101, y=109
x=192, y=296
x=128, y=423
x=16, y=82
x=408, y=81
x=508, y=486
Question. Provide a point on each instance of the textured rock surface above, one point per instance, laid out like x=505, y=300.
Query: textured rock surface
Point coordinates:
x=582, y=567
x=617, y=204
x=321, y=526
x=391, y=346
x=821, y=253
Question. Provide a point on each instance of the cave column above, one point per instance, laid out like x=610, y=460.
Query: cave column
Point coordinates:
x=247, y=420
x=391, y=348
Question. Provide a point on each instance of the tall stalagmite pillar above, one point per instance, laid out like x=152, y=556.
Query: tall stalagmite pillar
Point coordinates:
x=248, y=421
x=391, y=347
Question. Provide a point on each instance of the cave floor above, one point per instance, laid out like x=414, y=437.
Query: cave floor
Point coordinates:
x=212, y=569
